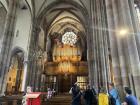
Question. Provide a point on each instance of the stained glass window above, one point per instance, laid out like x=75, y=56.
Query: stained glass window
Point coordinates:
x=69, y=38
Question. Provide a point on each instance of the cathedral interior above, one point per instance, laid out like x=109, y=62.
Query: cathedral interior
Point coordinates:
x=55, y=43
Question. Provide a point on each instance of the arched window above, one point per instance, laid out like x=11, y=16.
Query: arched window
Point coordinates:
x=69, y=38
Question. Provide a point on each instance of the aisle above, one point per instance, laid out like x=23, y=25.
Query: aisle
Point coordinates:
x=63, y=99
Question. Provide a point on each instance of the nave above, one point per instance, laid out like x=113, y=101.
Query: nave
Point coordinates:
x=55, y=43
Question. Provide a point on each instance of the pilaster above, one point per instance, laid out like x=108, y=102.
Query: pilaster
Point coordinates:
x=7, y=43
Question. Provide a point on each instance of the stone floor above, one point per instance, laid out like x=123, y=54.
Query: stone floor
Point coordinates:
x=63, y=99
x=11, y=100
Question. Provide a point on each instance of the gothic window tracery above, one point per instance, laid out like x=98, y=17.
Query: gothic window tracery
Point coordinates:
x=69, y=38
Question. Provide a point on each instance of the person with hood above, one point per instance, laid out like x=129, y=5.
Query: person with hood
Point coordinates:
x=90, y=97
x=114, y=94
x=76, y=95
x=103, y=98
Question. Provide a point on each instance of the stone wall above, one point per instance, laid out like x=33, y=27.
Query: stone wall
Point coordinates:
x=2, y=22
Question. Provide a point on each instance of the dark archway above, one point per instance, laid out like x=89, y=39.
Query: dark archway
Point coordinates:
x=15, y=72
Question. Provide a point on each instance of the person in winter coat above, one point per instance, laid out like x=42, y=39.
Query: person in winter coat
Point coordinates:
x=114, y=94
x=89, y=97
x=129, y=99
x=103, y=98
x=76, y=95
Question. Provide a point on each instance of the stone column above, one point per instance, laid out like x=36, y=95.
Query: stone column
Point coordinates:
x=24, y=76
x=112, y=12
x=33, y=49
x=96, y=73
x=37, y=81
x=105, y=44
x=34, y=74
x=134, y=60
x=90, y=48
x=43, y=81
x=7, y=42
x=136, y=27
x=99, y=44
x=135, y=22
x=120, y=44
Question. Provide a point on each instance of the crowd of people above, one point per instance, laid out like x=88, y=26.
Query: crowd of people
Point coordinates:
x=102, y=96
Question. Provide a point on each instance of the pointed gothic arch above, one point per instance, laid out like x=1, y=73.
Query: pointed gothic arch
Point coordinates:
x=15, y=72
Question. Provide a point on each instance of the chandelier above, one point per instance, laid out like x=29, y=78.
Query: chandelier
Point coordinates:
x=69, y=38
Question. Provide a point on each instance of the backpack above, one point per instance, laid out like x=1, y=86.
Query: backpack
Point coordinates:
x=70, y=91
x=112, y=100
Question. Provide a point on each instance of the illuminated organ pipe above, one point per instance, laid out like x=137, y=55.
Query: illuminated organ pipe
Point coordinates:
x=67, y=53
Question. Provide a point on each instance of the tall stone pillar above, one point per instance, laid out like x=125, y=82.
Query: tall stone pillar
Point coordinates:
x=38, y=83
x=33, y=57
x=7, y=43
x=36, y=79
x=120, y=44
x=134, y=60
x=112, y=12
x=35, y=64
x=99, y=44
x=136, y=25
x=105, y=44
x=90, y=49
x=135, y=22
x=98, y=37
